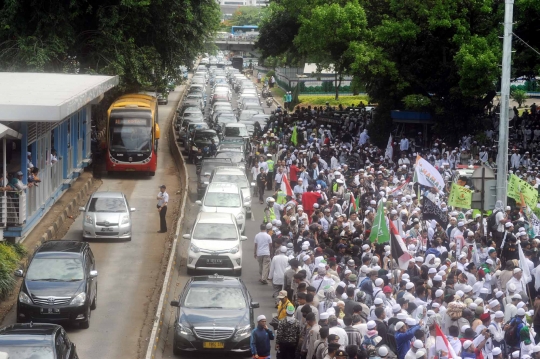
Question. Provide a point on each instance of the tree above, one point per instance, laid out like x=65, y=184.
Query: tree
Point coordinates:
x=343, y=27
x=247, y=15
x=519, y=96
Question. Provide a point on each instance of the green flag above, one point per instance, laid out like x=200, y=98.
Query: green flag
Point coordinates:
x=294, y=139
x=379, y=230
x=460, y=196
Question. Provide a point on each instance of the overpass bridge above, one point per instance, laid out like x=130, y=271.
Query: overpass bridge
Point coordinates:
x=247, y=45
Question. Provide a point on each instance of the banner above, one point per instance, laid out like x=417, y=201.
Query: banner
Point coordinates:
x=431, y=211
x=379, y=230
x=389, y=154
x=398, y=248
x=427, y=175
x=460, y=196
x=517, y=186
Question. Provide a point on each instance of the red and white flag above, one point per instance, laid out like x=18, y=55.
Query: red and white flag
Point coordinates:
x=442, y=343
x=398, y=248
x=286, y=186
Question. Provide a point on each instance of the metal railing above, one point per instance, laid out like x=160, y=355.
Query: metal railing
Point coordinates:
x=12, y=208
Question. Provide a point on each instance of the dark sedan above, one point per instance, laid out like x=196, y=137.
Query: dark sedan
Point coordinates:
x=215, y=314
x=207, y=166
x=201, y=139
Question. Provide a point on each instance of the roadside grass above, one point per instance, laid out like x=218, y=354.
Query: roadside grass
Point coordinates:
x=277, y=93
x=346, y=100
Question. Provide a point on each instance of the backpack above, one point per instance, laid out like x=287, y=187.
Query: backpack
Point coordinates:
x=511, y=334
x=492, y=222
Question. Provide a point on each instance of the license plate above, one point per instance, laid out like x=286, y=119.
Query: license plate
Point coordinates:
x=106, y=229
x=213, y=345
x=50, y=311
x=214, y=261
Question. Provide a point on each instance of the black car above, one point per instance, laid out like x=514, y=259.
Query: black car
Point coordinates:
x=201, y=139
x=207, y=166
x=60, y=284
x=215, y=313
x=36, y=341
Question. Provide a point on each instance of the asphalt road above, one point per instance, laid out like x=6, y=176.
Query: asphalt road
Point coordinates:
x=250, y=271
x=129, y=273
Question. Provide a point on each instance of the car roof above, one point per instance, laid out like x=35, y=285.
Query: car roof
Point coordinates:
x=105, y=194
x=215, y=279
x=237, y=124
x=229, y=170
x=205, y=131
x=60, y=248
x=28, y=334
x=210, y=217
x=222, y=187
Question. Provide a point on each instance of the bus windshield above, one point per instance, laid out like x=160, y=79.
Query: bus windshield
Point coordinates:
x=130, y=135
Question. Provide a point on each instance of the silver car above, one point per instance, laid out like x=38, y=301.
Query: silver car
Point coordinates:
x=107, y=215
x=225, y=198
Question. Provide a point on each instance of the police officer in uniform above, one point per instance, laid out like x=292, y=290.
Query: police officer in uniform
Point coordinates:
x=163, y=200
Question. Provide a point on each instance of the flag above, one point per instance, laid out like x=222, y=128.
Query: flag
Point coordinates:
x=353, y=205
x=286, y=186
x=294, y=136
x=427, y=175
x=389, y=154
x=398, y=188
x=535, y=222
x=442, y=344
x=431, y=211
x=398, y=249
x=520, y=190
x=460, y=196
x=379, y=230
x=526, y=272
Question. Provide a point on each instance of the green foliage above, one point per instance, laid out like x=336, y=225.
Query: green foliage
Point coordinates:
x=416, y=102
x=143, y=41
x=10, y=255
x=528, y=86
x=270, y=74
x=519, y=96
x=306, y=100
x=247, y=15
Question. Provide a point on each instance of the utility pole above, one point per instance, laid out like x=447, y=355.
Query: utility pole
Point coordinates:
x=502, y=157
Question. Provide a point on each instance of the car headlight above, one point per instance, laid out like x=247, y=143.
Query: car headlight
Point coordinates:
x=79, y=299
x=88, y=219
x=240, y=217
x=182, y=329
x=243, y=331
x=24, y=298
x=235, y=249
x=125, y=220
x=194, y=248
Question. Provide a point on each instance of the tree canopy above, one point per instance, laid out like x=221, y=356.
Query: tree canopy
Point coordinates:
x=143, y=41
x=447, y=53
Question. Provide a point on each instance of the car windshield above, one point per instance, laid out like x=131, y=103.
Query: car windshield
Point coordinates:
x=236, y=131
x=130, y=137
x=55, y=270
x=209, y=167
x=197, y=126
x=240, y=180
x=205, y=136
x=215, y=297
x=236, y=157
x=27, y=352
x=220, y=199
x=217, y=231
x=110, y=205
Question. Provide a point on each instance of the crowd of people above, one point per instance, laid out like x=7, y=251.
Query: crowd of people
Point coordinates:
x=465, y=284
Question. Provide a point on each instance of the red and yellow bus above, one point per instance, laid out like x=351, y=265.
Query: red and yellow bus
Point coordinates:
x=133, y=134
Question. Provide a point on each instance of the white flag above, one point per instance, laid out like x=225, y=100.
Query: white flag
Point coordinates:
x=389, y=154
x=427, y=175
x=526, y=272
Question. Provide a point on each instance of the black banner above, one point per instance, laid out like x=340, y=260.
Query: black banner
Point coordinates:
x=431, y=211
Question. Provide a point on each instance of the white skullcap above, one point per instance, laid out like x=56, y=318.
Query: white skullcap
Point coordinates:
x=409, y=285
x=435, y=305
x=515, y=354
x=401, y=316
x=371, y=325
x=499, y=294
x=261, y=317
x=516, y=296
x=508, y=224
x=418, y=344
x=517, y=270
x=512, y=288
x=437, y=278
x=479, y=301
x=467, y=344
x=520, y=312
x=396, y=308
x=419, y=259
x=305, y=246
x=283, y=249
x=432, y=271
x=405, y=276
x=344, y=297
x=460, y=224
x=520, y=305
x=305, y=258
x=536, y=349
x=378, y=301
x=460, y=293
x=348, y=271
x=496, y=351
x=410, y=321
x=439, y=293
x=420, y=353
x=489, y=261
x=493, y=303
x=499, y=314
x=384, y=352
x=379, y=282
x=464, y=328
x=473, y=306
x=399, y=325
x=324, y=316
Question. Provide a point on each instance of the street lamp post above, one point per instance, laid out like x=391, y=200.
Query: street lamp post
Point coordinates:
x=502, y=157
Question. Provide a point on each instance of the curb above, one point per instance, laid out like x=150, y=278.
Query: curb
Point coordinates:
x=71, y=206
x=182, y=169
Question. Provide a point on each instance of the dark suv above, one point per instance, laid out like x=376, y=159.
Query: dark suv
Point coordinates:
x=60, y=284
x=215, y=313
x=36, y=341
x=207, y=166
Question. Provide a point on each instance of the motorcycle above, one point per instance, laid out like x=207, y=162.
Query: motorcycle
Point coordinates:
x=266, y=93
x=269, y=101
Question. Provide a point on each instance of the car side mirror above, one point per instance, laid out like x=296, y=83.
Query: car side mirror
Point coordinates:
x=175, y=303
x=81, y=209
x=254, y=305
x=132, y=209
x=243, y=238
x=198, y=203
x=93, y=274
x=186, y=236
x=19, y=273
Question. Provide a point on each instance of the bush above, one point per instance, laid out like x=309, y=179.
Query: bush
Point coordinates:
x=10, y=255
x=270, y=74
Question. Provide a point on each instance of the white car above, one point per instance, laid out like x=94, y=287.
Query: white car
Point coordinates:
x=234, y=175
x=215, y=244
x=225, y=198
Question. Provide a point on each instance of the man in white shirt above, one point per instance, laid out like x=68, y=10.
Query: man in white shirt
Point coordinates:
x=277, y=271
x=163, y=200
x=404, y=144
x=263, y=242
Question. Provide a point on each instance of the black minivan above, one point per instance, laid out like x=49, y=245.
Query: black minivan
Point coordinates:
x=60, y=284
